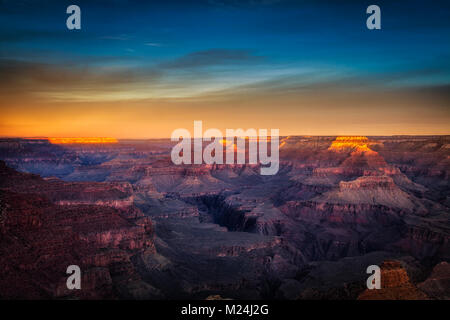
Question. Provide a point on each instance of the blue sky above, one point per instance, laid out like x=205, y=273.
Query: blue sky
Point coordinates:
x=216, y=51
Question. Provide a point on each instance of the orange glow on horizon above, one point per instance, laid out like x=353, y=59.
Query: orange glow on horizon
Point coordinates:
x=90, y=140
x=227, y=145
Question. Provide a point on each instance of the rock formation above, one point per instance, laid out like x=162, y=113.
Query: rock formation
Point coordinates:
x=41, y=237
x=142, y=227
x=395, y=285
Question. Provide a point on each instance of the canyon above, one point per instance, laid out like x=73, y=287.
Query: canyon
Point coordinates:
x=141, y=227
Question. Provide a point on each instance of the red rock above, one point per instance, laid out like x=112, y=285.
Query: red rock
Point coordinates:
x=39, y=239
x=395, y=285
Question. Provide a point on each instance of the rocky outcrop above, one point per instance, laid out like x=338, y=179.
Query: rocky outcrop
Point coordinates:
x=373, y=190
x=40, y=238
x=395, y=285
x=360, y=213
x=437, y=285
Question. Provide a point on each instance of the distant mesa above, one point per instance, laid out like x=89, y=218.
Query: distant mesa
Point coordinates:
x=91, y=140
x=355, y=143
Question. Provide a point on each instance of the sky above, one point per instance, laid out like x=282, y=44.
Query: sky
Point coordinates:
x=141, y=69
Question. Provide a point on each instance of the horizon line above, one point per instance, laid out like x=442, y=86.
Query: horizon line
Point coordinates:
x=168, y=138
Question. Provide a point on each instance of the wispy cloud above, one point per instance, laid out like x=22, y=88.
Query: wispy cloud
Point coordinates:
x=47, y=80
x=153, y=44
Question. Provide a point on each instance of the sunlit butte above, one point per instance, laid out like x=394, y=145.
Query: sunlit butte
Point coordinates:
x=90, y=140
x=227, y=144
x=350, y=143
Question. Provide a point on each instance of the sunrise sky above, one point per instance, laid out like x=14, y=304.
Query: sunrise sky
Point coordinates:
x=139, y=70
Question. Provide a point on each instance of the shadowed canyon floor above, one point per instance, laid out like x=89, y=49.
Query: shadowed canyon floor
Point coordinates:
x=142, y=228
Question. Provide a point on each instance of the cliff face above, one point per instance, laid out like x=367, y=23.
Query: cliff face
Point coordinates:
x=426, y=240
x=374, y=190
x=40, y=238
